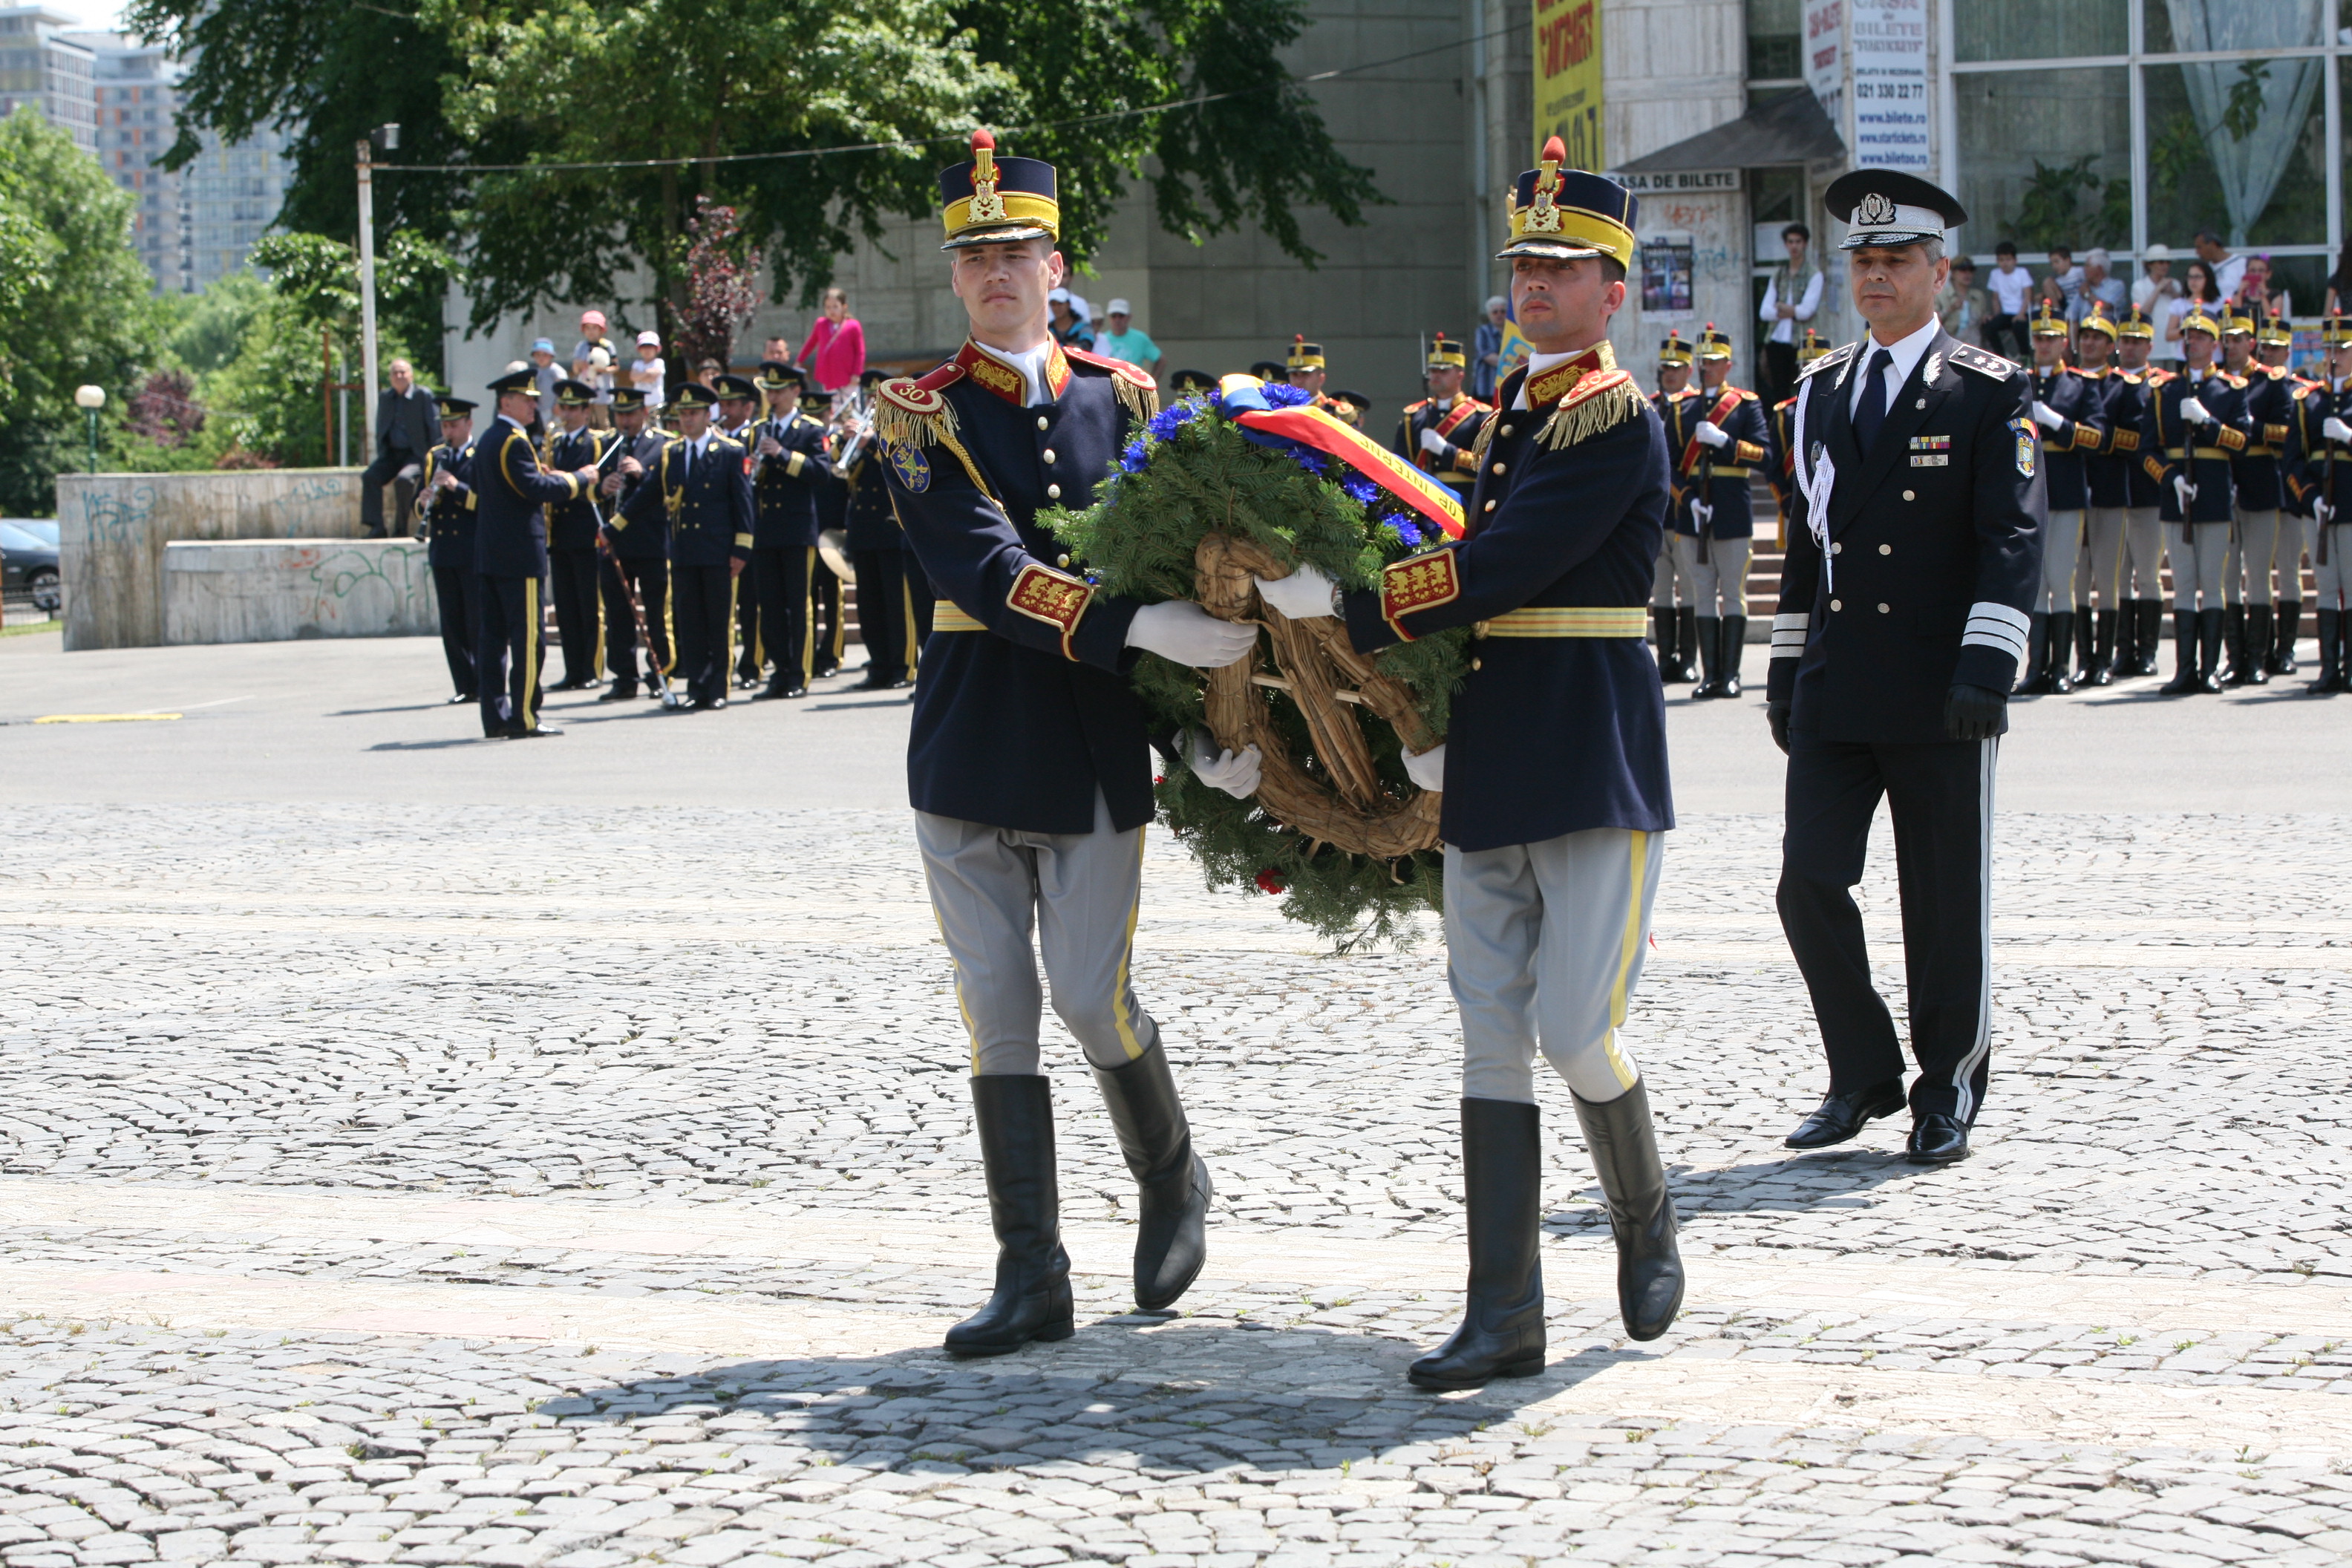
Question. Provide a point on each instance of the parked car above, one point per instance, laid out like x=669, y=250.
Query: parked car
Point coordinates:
x=28, y=562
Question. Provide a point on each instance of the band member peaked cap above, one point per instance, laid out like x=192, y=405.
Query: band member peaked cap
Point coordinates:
x=628, y=399
x=775, y=376
x=1887, y=207
x=994, y=199
x=737, y=389
x=1564, y=214
x=1446, y=353
x=455, y=407
x=570, y=394
x=1185, y=381
x=523, y=380
x=693, y=394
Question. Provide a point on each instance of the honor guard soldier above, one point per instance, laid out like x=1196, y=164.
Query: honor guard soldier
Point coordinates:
x=2264, y=537
x=572, y=525
x=1553, y=771
x=1437, y=432
x=831, y=572
x=788, y=459
x=635, y=558
x=449, y=541
x=1676, y=630
x=1307, y=371
x=2106, y=477
x=2193, y=425
x=1717, y=529
x=2139, y=577
x=1915, y=555
x=754, y=643
x=2067, y=409
x=1027, y=762
x=512, y=492
x=701, y=486
x=2327, y=474
x=886, y=586
x=2273, y=346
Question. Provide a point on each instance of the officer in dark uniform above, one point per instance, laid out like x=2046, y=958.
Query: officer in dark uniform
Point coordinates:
x=2139, y=578
x=2324, y=449
x=512, y=492
x=739, y=397
x=2067, y=409
x=701, y=484
x=1674, y=628
x=886, y=619
x=449, y=540
x=572, y=526
x=831, y=572
x=788, y=459
x=2266, y=535
x=1437, y=432
x=2193, y=425
x=1915, y=553
x=1028, y=761
x=1553, y=771
x=635, y=558
x=1724, y=447
x=1185, y=382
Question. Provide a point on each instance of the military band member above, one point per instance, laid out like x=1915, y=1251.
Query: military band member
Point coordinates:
x=1716, y=527
x=2327, y=474
x=635, y=558
x=512, y=492
x=701, y=486
x=2263, y=538
x=574, y=444
x=1185, y=382
x=828, y=620
x=449, y=541
x=1028, y=763
x=1554, y=771
x=1437, y=432
x=2273, y=346
x=2193, y=425
x=2139, y=577
x=2106, y=477
x=1915, y=553
x=2067, y=408
x=755, y=644
x=1675, y=627
x=788, y=456
x=887, y=579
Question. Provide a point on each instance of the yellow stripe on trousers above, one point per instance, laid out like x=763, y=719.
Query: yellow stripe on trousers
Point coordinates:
x=1639, y=871
x=669, y=626
x=529, y=714
x=1127, y=953
x=808, y=618
x=906, y=598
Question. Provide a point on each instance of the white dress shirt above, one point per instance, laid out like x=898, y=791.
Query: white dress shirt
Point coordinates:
x=1786, y=331
x=1907, y=352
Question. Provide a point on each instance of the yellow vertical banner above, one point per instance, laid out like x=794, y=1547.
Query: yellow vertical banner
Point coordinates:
x=1568, y=80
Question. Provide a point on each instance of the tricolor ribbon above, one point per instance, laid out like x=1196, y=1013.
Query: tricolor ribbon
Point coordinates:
x=1290, y=429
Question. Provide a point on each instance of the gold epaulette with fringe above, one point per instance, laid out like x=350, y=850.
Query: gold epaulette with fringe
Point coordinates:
x=1596, y=404
x=912, y=413
x=1137, y=392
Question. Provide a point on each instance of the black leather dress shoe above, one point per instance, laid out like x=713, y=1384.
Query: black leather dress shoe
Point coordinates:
x=463, y=696
x=618, y=694
x=1842, y=1116
x=537, y=733
x=1937, y=1140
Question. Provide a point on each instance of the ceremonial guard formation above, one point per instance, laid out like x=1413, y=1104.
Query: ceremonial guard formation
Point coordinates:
x=1914, y=567
x=1554, y=771
x=1028, y=763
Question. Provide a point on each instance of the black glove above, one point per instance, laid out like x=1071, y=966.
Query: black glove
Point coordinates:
x=1974, y=712
x=1777, y=715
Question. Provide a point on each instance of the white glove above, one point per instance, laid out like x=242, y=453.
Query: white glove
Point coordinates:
x=2185, y=490
x=1235, y=773
x=1303, y=595
x=1188, y=634
x=2325, y=510
x=2334, y=429
x=2194, y=411
x=1433, y=443
x=1427, y=768
x=1702, y=513
x=2047, y=417
x=1710, y=434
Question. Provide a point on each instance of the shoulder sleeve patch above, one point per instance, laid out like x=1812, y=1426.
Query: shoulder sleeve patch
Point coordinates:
x=1053, y=597
x=1423, y=583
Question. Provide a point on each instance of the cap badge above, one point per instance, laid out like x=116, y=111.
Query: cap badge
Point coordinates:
x=1876, y=211
x=1543, y=214
x=987, y=207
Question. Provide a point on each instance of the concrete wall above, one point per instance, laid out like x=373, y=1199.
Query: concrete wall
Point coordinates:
x=267, y=590
x=113, y=529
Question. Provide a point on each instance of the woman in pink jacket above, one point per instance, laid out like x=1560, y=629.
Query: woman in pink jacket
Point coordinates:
x=835, y=352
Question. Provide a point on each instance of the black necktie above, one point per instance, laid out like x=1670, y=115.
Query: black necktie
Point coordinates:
x=1871, y=412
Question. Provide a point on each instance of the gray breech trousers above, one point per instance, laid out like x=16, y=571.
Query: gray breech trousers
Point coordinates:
x=1079, y=892
x=1544, y=945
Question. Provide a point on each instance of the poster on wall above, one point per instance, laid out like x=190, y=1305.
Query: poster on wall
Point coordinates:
x=1668, y=262
x=1824, y=42
x=1567, y=79
x=1890, y=83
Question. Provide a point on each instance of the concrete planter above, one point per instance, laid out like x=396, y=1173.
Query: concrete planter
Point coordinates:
x=267, y=590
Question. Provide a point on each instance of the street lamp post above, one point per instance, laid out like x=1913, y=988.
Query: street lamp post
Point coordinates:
x=90, y=399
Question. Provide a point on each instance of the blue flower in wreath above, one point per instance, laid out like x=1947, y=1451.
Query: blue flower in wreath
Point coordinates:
x=1281, y=395
x=1407, y=533
x=1164, y=425
x=1314, y=462
x=1361, y=488
x=1133, y=458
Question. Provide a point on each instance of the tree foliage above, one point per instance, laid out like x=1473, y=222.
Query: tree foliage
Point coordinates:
x=723, y=296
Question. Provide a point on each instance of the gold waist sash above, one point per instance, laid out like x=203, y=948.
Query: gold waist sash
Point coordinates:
x=1569, y=621
x=947, y=615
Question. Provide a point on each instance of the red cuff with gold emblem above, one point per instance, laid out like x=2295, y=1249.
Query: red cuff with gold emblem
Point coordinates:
x=1423, y=583
x=1053, y=597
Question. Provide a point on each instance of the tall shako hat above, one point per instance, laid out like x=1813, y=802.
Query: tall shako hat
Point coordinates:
x=1812, y=348
x=2201, y=319
x=2336, y=331
x=1445, y=354
x=993, y=199
x=2136, y=324
x=1305, y=356
x=2048, y=323
x=1674, y=351
x=1564, y=214
x=2098, y=320
x=2277, y=333
x=2236, y=323
x=1887, y=207
x=1713, y=344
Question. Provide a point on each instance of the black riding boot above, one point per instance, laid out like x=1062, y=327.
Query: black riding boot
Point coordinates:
x=2084, y=656
x=2060, y=672
x=2331, y=670
x=2290, y=626
x=2255, y=659
x=1686, y=644
x=1016, y=1113
x=1735, y=644
x=2233, y=645
x=2151, y=634
x=2034, y=679
x=2184, y=655
x=1663, y=625
x=2211, y=626
x=1640, y=1211
x=1171, y=1240
x=1502, y=1331
x=2103, y=649
x=1710, y=653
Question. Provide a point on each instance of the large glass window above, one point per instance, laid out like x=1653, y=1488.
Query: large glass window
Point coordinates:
x=2038, y=30
x=2239, y=147
x=2046, y=157
x=1775, y=40
x=2205, y=26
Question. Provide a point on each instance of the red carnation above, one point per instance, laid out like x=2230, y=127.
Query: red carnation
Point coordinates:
x=1268, y=882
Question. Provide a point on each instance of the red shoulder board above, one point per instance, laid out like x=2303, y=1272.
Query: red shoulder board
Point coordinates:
x=1117, y=367
x=941, y=376
x=1588, y=386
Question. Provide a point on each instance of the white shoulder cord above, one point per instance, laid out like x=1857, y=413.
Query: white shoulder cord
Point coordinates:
x=1814, y=480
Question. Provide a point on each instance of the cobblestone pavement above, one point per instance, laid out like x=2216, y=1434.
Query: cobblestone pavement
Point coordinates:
x=533, y=1185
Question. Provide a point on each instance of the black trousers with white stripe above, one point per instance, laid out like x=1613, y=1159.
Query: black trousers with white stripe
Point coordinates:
x=1940, y=798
